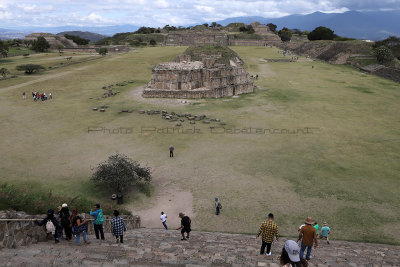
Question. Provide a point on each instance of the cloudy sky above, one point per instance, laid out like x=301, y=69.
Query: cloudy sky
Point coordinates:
x=16, y=13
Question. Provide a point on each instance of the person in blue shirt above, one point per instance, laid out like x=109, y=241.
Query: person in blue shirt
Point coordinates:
x=325, y=230
x=98, y=221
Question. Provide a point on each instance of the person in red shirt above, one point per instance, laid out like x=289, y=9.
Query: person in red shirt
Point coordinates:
x=308, y=237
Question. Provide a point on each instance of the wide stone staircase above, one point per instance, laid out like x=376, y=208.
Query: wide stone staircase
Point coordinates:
x=156, y=247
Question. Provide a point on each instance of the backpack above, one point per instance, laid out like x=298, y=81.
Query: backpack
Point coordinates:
x=50, y=228
x=219, y=206
x=99, y=219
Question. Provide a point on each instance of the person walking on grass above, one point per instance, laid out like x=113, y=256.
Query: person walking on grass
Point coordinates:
x=118, y=227
x=290, y=256
x=98, y=221
x=65, y=216
x=163, y=219
x=24, y=95
x=268, y=231
x=79, y=227
x=171, y=151
x=218, y=206
x=308, y=237
x=186, y=223
x=52, y=225
x=325, y=230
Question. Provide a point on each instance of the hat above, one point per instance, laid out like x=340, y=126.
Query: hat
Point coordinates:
x=292, y=250
x=309, y=220
x=64, y=205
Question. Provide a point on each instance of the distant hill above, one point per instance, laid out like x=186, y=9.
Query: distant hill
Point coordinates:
x=93, y=37
x=375, y=25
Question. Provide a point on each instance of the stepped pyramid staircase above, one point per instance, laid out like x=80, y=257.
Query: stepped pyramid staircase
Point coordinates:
x=158, y=247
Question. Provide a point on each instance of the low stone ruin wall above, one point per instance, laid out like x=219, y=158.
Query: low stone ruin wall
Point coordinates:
x=388, y=73
x=18, y=228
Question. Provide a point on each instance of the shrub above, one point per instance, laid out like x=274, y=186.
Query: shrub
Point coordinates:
x=40, y=44
x=383, y=54
x=119, y=172
x=285, y=34
x=153, y=42
x=103, y=51
x=4, y=72
x=321, y=33
x=38, y=202
x=30, y=68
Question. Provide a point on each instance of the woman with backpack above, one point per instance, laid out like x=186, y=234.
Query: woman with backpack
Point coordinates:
x=78, y=227
x=218, y=206
x=65, y=216
x=52, y=225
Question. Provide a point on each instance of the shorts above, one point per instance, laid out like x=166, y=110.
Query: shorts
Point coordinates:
x=185, y=230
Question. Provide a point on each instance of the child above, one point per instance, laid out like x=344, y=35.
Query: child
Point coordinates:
x=118, y=227
x=325, y=230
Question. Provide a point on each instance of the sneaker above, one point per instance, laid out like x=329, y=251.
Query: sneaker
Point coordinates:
x=269, y=254
x=183, y=239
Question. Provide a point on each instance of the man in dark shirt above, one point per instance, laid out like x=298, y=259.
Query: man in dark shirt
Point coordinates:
x=185, y=226
x=171, y=151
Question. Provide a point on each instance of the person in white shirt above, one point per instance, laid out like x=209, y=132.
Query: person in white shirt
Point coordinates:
x=163, y=219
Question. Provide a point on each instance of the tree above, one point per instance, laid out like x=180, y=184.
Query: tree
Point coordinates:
x=3, y=49
x=321, y=33
x=103, y=51
x=285, y=34
x=119, y=172
x=4, y=72
x=205, y=25
x=40, y=44
x=153, y=42
x=213, y=24
x=59, y=47
x=383, y=54
x=76, y=39
x=30, y=68
x=272, y=27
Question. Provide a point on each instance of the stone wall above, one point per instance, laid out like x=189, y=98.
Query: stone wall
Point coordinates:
x=19, y=229
x=196, y=38
x=52, y=39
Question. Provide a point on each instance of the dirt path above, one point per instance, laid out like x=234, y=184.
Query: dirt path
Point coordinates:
x=171, y=201
x=41, y=79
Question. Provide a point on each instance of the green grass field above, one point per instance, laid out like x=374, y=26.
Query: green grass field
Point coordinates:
x=345, y=170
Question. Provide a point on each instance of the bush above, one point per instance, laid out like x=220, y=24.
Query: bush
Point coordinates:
x=153, y=42
x=272, y=27
x=76, y=39
x=4, y=72
x=38, y=202
x=30, y=68
x=383, y=54
x=119, y=172
x=40, y=44
x=321, y=33
x=285, y=34
x=103, y=51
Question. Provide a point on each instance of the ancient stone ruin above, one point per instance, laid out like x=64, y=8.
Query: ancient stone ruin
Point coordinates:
x=201, y=72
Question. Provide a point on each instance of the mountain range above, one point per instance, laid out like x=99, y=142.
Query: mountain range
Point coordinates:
x=372, y=25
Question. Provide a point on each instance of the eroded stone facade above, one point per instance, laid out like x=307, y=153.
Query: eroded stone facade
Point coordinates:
x=185, y=78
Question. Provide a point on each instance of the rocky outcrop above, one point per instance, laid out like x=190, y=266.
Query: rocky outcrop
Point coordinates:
x=18, y=228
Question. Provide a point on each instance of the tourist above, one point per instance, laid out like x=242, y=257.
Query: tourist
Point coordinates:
x=269, y=231
x=98, y=221
x=118, y=227
x=307, y=236
x=171, y=151
x=316, y=226
x=65, y=216
x=23, y=95
x=290, y=255
x=185, y=226
x=79, y=227
x=163, y=219
x=325, y=230
x=52, y=225
x=218, y=206
x=50, y=96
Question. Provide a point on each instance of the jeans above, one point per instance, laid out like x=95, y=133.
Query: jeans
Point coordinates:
x=217, y=211
x=78, y=237
x=99, y=228
x=265, y=244
x=165, y=225
x=303, y=247
x=171, y=154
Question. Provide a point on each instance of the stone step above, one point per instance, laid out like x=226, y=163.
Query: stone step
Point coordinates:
x=156, y=247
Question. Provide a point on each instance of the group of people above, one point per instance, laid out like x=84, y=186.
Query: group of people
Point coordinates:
x=292, y=254
x=72, y=224
x=38, y=96
x=185, y=227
